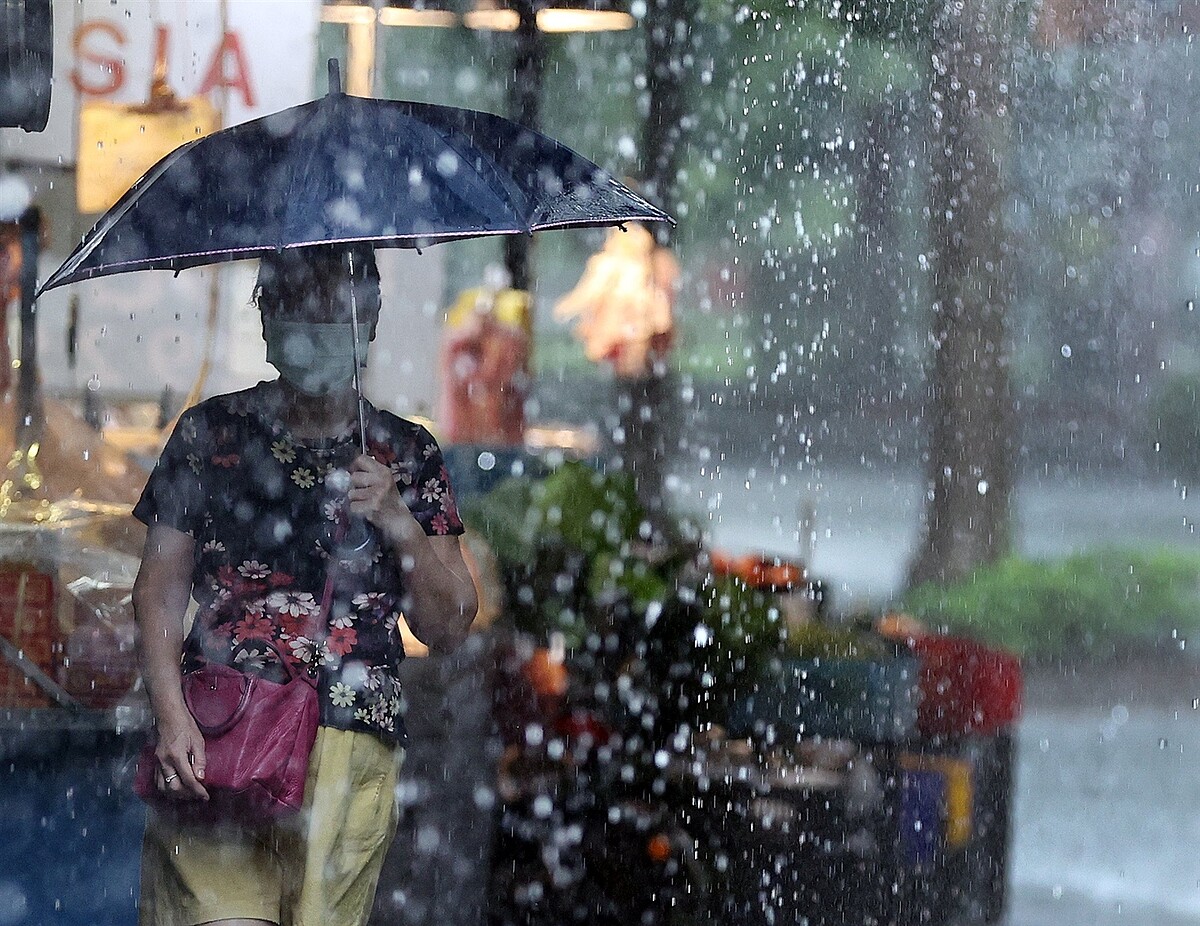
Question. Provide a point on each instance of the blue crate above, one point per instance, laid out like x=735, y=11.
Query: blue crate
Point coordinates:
x=73, y=828
x=476, y=469
x=922, y=807
x=866, y=701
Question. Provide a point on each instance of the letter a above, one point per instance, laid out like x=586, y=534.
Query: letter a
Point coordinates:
x=230, y=47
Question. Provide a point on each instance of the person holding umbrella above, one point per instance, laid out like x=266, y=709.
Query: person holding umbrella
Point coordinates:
x=302, y=552
x=302, y=532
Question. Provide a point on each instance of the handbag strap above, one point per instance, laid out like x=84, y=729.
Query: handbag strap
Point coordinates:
x=247, y=683
x=322, y=619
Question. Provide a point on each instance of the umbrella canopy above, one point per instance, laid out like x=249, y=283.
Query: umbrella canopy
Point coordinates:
x=349, y=169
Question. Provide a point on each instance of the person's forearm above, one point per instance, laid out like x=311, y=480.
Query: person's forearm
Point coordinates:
x=440, y=600
x=160, y=643
x=160, y=597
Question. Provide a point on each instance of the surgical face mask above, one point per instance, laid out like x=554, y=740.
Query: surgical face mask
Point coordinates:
x=316, y=359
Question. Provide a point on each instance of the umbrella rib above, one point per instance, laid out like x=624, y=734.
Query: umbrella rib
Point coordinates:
x=96, y=236
x=510, y=190
x=592, y=223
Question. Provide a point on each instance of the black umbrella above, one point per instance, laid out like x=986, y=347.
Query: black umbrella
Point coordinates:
x=344, y=169
x=349, y=169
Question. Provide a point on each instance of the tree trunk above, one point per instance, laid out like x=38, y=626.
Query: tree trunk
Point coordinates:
x=970, y=462
x=645, y=402
x=875, y=317
x=525, y=108
x=667, y=44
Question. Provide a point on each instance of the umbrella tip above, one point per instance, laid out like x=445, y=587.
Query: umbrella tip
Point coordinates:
x=335, y=78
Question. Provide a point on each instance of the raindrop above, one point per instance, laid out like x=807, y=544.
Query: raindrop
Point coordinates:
x=1066, y=351
x=428, y=840
x=447, y=164
x=14, y=906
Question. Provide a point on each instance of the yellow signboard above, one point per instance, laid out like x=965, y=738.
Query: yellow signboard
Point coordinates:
x=119, y=143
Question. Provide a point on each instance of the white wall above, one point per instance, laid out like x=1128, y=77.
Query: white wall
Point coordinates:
x=141, y=332
x=105, y=49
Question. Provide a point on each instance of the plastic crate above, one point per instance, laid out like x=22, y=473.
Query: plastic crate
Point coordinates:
x=922, y=803
x=954, y=820
x=73, y=828
x=866, y=701
x=476, y=469
x=29, y=622
x=966, y=687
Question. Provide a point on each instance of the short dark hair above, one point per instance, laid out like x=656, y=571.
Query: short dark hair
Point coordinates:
x=311, y=284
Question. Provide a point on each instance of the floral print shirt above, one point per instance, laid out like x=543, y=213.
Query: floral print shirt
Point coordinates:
x=271, y=531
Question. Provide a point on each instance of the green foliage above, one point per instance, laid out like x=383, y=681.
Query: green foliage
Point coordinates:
x=744, y=620
x=818, y=641
x=746, y=633
x=785, y=92
x=893, y=19
x=566, y=543
x=574, y=506
x=636, y=579
x=586, y=510
x=1089, y=604
x=1175, y=425
x=501, y=517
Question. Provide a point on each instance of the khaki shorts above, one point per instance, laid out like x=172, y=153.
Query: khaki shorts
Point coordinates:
x=318, y=868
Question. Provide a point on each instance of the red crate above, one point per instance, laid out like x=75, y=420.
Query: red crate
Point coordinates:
x=966, y=687
x=28, y=621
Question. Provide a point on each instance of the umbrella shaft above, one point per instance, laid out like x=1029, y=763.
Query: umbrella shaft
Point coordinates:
x=358, y=393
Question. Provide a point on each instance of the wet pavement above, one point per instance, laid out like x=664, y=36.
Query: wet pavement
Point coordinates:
x=1107, y=818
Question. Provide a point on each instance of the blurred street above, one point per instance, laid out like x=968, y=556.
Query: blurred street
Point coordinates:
x=866, y=522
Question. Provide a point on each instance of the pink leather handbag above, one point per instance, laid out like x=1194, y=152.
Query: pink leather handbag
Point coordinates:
x=257, y=738
x=258, y=735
